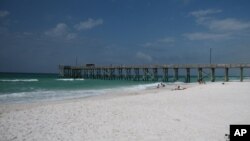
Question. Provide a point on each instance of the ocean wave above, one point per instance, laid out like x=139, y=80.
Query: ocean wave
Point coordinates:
x=19, y=80
x=144, y=86
x=55, y=95
x=139, y=87
x=70, y=79
x=47, y=95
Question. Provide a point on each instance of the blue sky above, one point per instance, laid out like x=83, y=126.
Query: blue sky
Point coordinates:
x=37, y=36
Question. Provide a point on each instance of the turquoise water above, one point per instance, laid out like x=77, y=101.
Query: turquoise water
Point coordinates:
x=12, y=83
x=20, y=87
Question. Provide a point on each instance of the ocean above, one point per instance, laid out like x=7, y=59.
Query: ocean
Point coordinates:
x=29, y=87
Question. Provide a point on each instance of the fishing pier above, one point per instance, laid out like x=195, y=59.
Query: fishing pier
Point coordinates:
x=149, y=72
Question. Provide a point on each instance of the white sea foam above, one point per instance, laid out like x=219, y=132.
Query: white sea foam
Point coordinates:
x=19, y=80
x=54, y=95
x=140, y=87
x=46, y=95
x=70, y=79
x=143, y=86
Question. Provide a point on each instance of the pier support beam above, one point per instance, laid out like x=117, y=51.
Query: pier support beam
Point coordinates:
x=98, y=73
x=200, y=78
x=120, y=74
x=65, y=73
x=188, y=75
x=137, y=74
x=176, y=76
x=128, y=74
x=103, y=73
x=165, y=74
x=84, y=73
x=87, y=73
x=68, y=73
x=155, y=73
x=61, y=71
x=226, y=74
x=92, y=73
x=95, y=75
x=111, y=73
x=146, y=73
x=212, y=74
x=241, y=74
x=74, y=73
x=77, y=73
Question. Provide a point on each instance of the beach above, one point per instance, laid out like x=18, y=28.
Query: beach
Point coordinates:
x=197, y=113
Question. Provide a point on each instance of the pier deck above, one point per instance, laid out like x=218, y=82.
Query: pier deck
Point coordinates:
x=148, y=72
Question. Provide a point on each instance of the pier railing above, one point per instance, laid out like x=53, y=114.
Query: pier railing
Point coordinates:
x=147, y=72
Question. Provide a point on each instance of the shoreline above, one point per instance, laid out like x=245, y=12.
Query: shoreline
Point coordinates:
x=200, y=112
x=8, y=107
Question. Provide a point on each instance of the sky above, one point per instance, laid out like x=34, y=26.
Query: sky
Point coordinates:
x=38, y=35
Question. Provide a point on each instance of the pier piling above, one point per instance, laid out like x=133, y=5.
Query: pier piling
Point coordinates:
x=226, y=75
x=212, y=74
x=187, y=75
x=176, y=76
x=200, y=78
x=241, y=74
x=155, y=74
x=165, y=74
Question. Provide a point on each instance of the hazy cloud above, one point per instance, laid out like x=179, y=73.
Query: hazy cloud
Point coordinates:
x=205, y=36
x=4, y=14
x=203, y=17
x=202, y=13
x=217, y=28
x=143, y=56
x=70, y=36
x=88, y=24
x=4, y=21
x=61, y=30
x=148, y=44
x=228, y=25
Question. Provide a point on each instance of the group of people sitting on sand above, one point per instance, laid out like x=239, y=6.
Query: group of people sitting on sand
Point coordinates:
x=161, y=84
x=177, y=88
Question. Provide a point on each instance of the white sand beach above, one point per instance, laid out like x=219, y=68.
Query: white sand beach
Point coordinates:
x=198, y=113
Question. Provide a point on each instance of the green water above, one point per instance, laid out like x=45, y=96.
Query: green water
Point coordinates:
x=15, y=87
x=18, y=82
x=23, y=87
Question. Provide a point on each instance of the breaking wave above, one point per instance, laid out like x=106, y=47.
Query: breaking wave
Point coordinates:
x=70, y=79
x=19, y=80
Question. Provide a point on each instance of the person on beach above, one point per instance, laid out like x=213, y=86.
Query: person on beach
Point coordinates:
x=158, y=86
x=161, y=84
x=179, y=88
